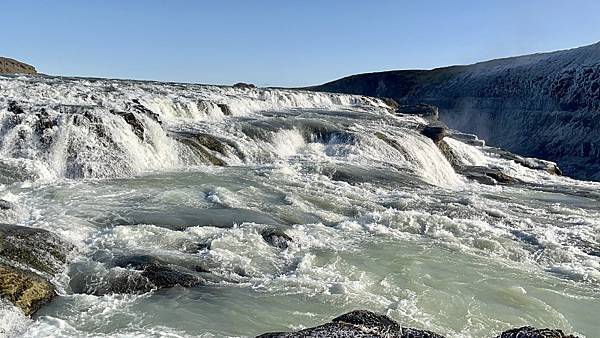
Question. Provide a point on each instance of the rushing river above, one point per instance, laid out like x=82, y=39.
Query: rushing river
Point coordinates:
x=192, y=176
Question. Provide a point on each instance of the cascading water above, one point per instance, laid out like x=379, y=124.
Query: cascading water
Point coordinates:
x=192, y=206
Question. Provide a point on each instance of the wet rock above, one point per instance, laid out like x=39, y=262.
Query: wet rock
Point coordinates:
x=26, y=290
x=435, y=132
x=470, y=139
x=528, y=162
x=485, y=175
x=160, y=273
x=531, y=332
x=6, y=205
x=14, y=108
x=276, y=237
x=140, y=108
x=429, y=112
x=23, y=249
x=244, y=85
x=167, y=277
x=33, y=248
x=136, y=125
x=359, y=323
x=224, y=108
x=391, y=103
x=207, y=146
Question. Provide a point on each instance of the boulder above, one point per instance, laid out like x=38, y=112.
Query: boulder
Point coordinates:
x=26, y=290
x=426, y=111
x=532, y=332
x=362, y=323
x=29, y=257
x=244, y=85
x=33, y=248
x=276, y=237
x=12, y=66
x=359, y=323
x=435, y=132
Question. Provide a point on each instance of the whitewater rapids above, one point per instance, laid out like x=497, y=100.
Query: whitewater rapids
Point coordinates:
x=379, y=218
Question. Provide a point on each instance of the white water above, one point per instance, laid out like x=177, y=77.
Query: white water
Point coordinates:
x=379, y=218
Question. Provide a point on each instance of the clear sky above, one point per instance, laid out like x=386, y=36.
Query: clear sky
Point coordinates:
x=284, y=42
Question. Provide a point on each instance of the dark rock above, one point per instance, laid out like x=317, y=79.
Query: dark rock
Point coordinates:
x=6, y=205
x=436, y=132
x=14, y=108
x=13, y=66
x=531, y=332
x=167, y=277
x=141, y=109
x=358, y=323
x=26, y=290
x=224, y=108
x=486, y=175
x=276, y=237
x=136, y=125
x=206, y=146
x=391, y=102
x=146, y=273
x=244, y=85
x=32, y=247
x=21, y=249
x=426, y=111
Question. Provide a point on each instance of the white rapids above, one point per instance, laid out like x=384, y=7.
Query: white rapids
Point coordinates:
x=379, y=218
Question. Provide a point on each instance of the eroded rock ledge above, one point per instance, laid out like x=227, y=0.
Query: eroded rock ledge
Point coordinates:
x=362, y=323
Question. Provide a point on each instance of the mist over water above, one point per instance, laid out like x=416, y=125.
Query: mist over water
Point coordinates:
x=191, y=176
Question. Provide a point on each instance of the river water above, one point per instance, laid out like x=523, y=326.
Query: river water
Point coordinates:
x=192, y=175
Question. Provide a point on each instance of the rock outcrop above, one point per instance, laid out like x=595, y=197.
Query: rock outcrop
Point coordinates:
x=361, y=323
x=29, y=257
x=542, y=105
x=357, y=323
x=11, y=66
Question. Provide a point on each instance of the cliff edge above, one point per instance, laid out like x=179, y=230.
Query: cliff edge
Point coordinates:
x=543, y=105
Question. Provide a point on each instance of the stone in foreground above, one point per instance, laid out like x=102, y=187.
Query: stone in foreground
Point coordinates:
x=362, y=323
x=359, y=323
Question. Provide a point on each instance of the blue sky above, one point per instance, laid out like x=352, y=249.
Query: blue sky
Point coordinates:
x=282, y=43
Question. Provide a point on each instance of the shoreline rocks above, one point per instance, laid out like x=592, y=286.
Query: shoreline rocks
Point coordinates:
x=363, y=323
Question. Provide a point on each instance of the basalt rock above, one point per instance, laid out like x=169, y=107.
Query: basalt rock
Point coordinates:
x=33, y=248
x=244, y=85
x=363, y=324
x=8, y=65
x=276, y=237
x=358, y=323
x=136, y=125
x=24, y=250
x=427, y=111
x=435, y=132
x=531, y=332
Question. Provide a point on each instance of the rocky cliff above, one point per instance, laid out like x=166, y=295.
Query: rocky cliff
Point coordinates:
x=542, y=105
x=13, y=66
